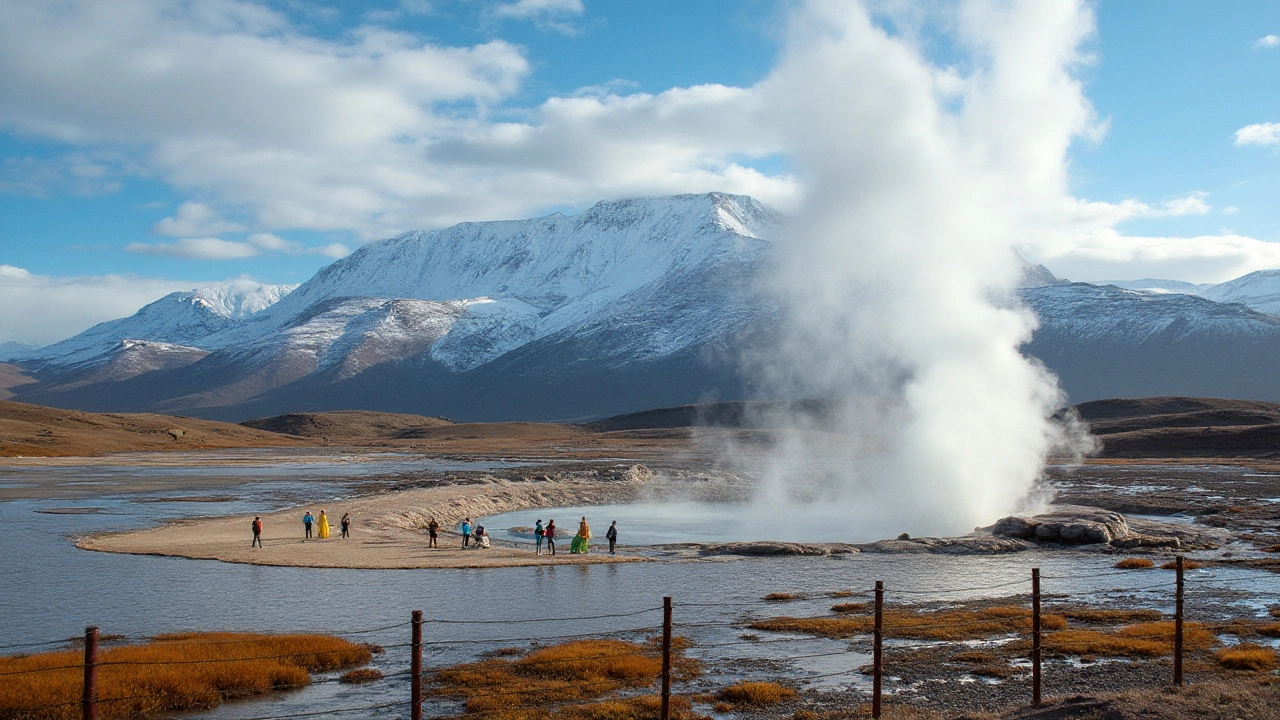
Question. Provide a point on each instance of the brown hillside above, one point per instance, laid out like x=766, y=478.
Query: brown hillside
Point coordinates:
x=348, y=425
x=36, y=431
x=1168, y=427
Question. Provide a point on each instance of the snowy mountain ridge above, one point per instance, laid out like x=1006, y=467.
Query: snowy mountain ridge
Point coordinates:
x=182, y=318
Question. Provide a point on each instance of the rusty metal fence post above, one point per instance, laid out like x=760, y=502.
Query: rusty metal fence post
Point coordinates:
x=876, y=654
x=1177, y=629
x=89, y=700
x=415, y=667
x=1035, y=637
x=666, y=658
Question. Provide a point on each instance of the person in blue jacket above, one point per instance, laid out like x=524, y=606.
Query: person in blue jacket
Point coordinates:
x=466, y=532
x=538, y=534
x=306, y=523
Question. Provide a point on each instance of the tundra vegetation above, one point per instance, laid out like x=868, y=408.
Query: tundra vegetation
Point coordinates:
x=188, y=671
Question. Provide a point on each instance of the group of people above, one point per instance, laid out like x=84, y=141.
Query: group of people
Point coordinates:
x=581, y=543
x=311, y=527
x=476, y=536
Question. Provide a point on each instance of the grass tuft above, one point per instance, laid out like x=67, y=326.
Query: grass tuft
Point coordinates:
x=948, y=625
x=574, y=672
x=1271, y=630
x=1246, y=657
x=1151, y=639
x=1135, y=564
x=1186, y=565
x=841, y=594
x=1110, y=617
x=157, y=676
x=846, y=608
x=755, y=693
x=781, y=597
x=363, y=675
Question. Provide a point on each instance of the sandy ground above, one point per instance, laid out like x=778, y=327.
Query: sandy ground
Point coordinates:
x=388, y=531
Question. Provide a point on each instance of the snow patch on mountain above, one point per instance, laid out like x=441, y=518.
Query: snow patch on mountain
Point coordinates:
x=180, y=318
x=1259, y=290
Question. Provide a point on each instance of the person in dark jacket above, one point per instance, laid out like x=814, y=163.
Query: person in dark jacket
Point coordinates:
x=551, y=537
x=538, y=533
x=433, y=529
x=257, y=531
x=346, y=525
x=612, y=535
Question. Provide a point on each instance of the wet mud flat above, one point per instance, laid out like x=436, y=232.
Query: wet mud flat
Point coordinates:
x=983, y=674
x=1243, y=498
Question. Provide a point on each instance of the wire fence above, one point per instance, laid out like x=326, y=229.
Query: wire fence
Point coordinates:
x=920, y=621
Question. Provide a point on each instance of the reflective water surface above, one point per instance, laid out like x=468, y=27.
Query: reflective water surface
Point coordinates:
x=51, y=590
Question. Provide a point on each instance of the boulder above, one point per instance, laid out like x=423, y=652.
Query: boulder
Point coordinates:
x=1014, y=527
x=1145, y=541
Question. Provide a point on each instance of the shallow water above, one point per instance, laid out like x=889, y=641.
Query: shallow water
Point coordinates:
x=52, y=590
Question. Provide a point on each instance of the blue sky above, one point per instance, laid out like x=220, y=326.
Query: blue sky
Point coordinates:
x=153, y=146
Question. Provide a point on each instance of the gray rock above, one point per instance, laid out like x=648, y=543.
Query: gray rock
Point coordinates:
x=1014, y=527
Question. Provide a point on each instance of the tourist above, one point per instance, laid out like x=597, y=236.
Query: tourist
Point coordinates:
x=581, y=545
x=306, y=523
x=466, y=532
x=538, y=532
x=551, y=537
x=346, y=525
x=433, y=528
x=482, y=538
x=257, y=531
x=612, y=535
x=324, y=526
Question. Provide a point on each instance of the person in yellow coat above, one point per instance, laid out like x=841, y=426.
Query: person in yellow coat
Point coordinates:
x=324, y=526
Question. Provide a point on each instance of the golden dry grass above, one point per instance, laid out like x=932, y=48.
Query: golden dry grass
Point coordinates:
x=192, y=671
x=1110, y=617
x=1186, y=565
x=841, y=594
x=755, y=693
x=1246, y=657
x=363, y=675
x=845, y=608
x=1151, y=639
x=1270, y=630
x=1135, y=564
x=546, y=683
x=939, y=625
x=781, y=597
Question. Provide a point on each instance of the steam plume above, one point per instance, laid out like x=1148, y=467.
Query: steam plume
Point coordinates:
x=898, y=279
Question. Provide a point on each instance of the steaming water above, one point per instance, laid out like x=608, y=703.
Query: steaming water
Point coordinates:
x=648, y=523
x=52, y=590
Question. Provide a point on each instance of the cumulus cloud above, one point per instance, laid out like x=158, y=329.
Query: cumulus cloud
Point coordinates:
x=373, y=134
x=379, y=132
x=208, y=248
x=40, y=310
x=1268, y=41
x=1259, y=134
x=194, y=219
x=212, y=248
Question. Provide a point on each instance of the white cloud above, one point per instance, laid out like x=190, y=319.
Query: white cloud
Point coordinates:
x=1190, y=204
x=197, y=249
x=39, y=309
x=194, y=219
x=1268, y=41
x=1230, y=210
x=1259, y=134
x=374, y=134
x=274, y=243
x=528, y=9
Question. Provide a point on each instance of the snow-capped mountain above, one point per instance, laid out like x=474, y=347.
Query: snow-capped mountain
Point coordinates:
x=16, y=351
x=630, y=305
x=1155, y=285
x=178, y=319
x=1259, y=290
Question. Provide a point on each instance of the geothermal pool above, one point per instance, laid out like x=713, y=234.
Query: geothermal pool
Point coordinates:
x=646, y=524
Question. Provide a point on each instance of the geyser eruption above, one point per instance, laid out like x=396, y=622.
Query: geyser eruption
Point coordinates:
x=898, y=279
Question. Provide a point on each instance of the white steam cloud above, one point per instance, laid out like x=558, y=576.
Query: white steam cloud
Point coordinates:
x=898, y=277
